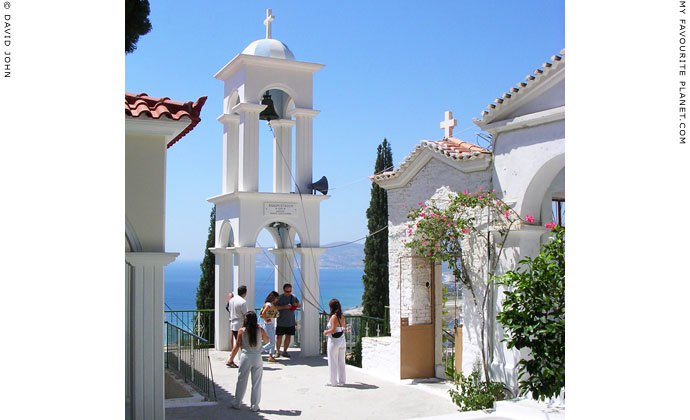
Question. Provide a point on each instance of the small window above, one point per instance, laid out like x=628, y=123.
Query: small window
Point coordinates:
x=558, y=211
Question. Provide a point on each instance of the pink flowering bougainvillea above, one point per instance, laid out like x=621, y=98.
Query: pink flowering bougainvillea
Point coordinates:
x=437, y=233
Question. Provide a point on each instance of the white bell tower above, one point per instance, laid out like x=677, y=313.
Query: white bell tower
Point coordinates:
x=267, y=69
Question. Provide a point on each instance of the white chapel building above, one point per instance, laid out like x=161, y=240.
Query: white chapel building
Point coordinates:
x=266, y=71
x=152, y=126
x=526, y=166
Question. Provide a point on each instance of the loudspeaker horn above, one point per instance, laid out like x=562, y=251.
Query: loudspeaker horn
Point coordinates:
x=321, y=185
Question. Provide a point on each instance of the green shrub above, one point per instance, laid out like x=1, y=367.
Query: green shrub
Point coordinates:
x=471, y=393
x=534, y=317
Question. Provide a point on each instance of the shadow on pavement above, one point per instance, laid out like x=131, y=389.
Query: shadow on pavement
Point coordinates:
x=359, y=386
x=312, y=361
x=283, y=412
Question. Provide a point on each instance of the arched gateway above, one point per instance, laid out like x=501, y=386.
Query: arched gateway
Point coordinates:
x=267, y=69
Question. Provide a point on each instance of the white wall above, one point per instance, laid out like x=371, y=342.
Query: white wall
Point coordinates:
x=519, y=156
x=381, y=356
x=145, y=189
x=145, y=156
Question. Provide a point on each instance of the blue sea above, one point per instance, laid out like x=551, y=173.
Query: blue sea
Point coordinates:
x=182, y=279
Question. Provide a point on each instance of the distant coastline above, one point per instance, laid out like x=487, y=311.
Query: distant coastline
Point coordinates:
x=345, y=284
x=353, y=311
x=338, y=255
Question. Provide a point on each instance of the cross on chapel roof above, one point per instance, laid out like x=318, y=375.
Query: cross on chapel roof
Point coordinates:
x=448, y=124
x=267, y=22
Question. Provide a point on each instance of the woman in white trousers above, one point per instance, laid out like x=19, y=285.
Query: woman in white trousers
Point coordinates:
x=250, y=360
x=336, y=344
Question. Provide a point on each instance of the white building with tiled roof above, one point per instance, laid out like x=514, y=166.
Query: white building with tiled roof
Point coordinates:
x=152, y=125
x=526, y=166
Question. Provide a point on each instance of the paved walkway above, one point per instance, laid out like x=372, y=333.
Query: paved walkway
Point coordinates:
x=295, y=387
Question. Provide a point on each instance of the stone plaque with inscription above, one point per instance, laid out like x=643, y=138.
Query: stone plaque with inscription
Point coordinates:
x=280, y=209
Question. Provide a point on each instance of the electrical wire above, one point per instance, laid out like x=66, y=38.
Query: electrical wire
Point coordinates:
x=297, y=264
x=357, y=240
x=294, y=256
x=361, y=179
x=293, y=281
x=487, y=139
x=464, y=129
x=306, y=224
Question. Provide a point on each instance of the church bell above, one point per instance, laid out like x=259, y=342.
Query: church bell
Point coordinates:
x=269, y=113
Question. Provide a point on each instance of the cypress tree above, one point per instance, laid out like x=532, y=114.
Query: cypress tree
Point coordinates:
x=375, y=278
x=205, y=292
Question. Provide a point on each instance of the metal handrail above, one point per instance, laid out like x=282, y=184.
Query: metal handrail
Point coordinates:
x=187, y=353
x=371, y=326
x=201, y=321
x=187, y=332
x=448, y=353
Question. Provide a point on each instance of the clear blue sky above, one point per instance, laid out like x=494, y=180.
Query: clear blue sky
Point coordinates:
x=391, y=70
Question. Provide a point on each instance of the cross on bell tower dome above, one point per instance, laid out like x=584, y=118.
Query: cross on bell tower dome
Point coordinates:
x=269, y=47
x=267, y=68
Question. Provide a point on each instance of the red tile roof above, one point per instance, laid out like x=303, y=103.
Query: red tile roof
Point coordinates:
x=453, y=148
x=140, y=104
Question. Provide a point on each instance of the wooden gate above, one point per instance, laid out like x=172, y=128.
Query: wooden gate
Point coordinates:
x=417, y=319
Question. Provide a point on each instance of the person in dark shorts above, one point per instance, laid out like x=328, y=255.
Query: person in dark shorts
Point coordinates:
x=285, y=325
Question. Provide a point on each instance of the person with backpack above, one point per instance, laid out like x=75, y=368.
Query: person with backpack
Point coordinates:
x=336, y=344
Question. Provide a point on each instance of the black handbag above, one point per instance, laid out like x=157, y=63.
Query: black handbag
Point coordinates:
x=337, y=334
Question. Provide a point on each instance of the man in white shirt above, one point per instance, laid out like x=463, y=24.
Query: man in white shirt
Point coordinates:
x=238, y=307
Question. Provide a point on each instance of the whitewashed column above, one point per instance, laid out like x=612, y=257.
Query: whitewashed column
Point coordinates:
x=285, y=266
x=231, y=123
x=282, y=155
x=147, y=301
x=523, y=241
x=244, y=267
x=309, y=329
x=303, y=147
x=223, y=286
x=248, y=151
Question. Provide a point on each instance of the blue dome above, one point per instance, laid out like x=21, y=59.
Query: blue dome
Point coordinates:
x=269, y=48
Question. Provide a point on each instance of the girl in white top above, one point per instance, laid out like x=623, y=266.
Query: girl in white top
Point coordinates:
x=336, y=344
x=250, y=360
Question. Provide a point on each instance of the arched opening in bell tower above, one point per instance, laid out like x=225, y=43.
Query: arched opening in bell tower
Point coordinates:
x=276, y=144
x=279, y=261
